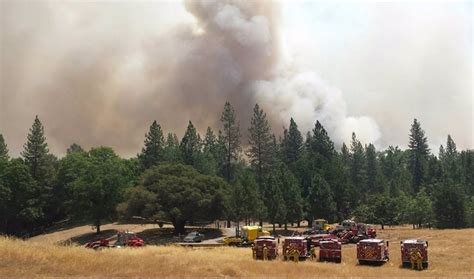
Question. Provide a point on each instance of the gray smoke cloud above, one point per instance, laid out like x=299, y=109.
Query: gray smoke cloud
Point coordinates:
x=97, y=77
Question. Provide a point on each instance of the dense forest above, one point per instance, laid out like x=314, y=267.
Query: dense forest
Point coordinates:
x=221, y=175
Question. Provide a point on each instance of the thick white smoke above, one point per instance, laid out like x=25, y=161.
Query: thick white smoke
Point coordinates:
x=287, y=92
x=98, y=77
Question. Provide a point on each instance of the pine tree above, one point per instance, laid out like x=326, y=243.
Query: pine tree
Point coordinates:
x=358, y=167
x=451, y=161
x=230, y=139
x=210, y=154
x=190, y=146
x=291, y=193
x=171, y=150
x=36, y=150
x=274, y=201
x=3, y=149
x=152, y=152
x=321, y=200
x=419, y=152
x=372, y=167
x=260, y=151
x=74, y=148
x=320, y=143
x=292, y=143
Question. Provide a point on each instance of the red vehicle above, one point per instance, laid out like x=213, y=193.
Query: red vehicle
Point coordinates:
x=372, y=251
x=414, y=245
x=330, y=250
x=265, y=241
x=365, y=230
x=293, y=243
x=316, y=238
x=98, y=244
x=129, y=239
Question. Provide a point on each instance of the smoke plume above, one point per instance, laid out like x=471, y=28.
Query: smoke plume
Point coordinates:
x=98, y=78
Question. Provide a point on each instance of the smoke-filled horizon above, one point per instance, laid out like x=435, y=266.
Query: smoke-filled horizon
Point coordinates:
x=98, y=73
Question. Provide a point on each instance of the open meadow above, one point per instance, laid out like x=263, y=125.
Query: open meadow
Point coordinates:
x=450, y=255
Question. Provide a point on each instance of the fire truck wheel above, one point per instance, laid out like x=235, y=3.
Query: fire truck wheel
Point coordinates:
x=361, y=262
x=425, y=265
x=338, y=260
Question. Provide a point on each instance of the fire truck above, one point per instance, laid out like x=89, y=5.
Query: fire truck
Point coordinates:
x=271, y=245
x=330, y=250
x=372, y=251
x=124, y=239
x=295, y=246
x=410, y=246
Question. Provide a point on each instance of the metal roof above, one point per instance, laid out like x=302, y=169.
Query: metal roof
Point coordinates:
x=372, y=240
x=413, y=241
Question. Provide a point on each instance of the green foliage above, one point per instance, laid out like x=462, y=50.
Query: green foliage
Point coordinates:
x=419, y=151
x=153, y=151
x=358, y=168
x=261, y=148
x=182, y=194
x=292, y=143
x=274, y=201
x=229, y=140
x=74, y=148
x=420, y=209
x=291, y=194
x=35, y=150
x=171, y=150
x=98, y=187
x=20, y=198
x=3, y=149
x=190, y=146
x=137, y=202
x=321, y=200
x=470, y=212
x=449, y=206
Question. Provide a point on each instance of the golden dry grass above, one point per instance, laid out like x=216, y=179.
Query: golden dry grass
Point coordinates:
x=450, y=252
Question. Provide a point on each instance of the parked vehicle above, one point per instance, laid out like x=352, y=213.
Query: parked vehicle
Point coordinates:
x=330, y=250
x=124, y=239
x=372, y=250
x=321, y=226
x=413, y=250
x=194, y=237
x=295, y=246
x=265, y=245
x=247, y=235
x=129, y=239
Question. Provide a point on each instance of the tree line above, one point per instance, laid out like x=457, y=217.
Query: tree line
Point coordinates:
x=282, y=180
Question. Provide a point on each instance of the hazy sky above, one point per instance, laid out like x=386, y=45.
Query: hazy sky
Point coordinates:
x=99, y=72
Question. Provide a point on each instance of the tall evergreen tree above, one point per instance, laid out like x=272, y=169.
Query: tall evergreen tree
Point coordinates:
x=190, y=146
x=260, y=144
x=372, y=168
x=449, y=206
x=419, y=152
x=3, y=149
x=36, y=150
x=230, y=139
x=291, y=193
x=171, y=150
x=450, y=162
x=292, y=143
x=274, y=201
x=358, y=167
x=320, y=143
x=321, y=200
x=152, y=152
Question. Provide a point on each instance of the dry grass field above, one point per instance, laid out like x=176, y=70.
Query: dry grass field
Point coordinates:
x=450, y=252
